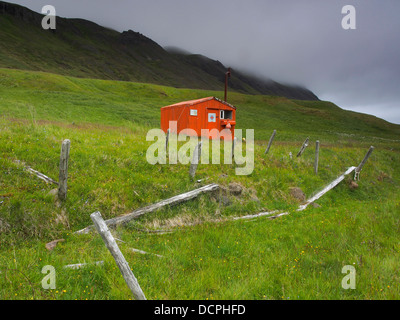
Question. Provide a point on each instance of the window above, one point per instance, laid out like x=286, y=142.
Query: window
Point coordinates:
x=193, y=112
x=226, y=114
x=212, y=117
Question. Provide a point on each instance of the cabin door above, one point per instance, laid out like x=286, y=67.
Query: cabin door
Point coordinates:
x=212, y=121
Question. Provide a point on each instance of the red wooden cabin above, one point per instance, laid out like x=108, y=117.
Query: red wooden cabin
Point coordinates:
x=207, y=113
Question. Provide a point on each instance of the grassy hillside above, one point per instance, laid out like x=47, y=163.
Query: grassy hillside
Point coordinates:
x=44, y=96
x=298, y=256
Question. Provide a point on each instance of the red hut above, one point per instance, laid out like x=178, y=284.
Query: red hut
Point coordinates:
x=207, y=113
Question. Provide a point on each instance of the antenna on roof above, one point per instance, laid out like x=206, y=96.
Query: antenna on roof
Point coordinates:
x=227, y=75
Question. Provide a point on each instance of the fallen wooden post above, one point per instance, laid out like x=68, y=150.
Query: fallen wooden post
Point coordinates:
x=361, y=165
x=303, y=147
x=252, y=216
x=276, y=213
x=82, y=265
x=112, y=246
x=144, y=252
x=270, y=142
x=316, y=157
x=36, y=173
x=63, y=177
x=195, y=160
x=273, y=215
x=140, y=251
x=41, y=176
x=168, y=202
x=330, y=186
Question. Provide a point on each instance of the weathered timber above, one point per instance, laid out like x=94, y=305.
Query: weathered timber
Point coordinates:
x=233, y=147
x=276, y=213
x=144, y=252
x=252, y=216
x=112, y=246
x=330, y=186
x=168, y=202
x=82, y=265
x=303, y=147
x=41, y=176
x=195, y=160
x=362, y=163
x=63, y=177
x=270, y=142
x=272, y=215
x=316, y=157
x=36, y=173
x=166, y=142
x=140, y=251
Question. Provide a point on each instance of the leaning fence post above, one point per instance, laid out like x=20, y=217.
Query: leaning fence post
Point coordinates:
x=270, y=141
x=303, y=147
x=361, y=165
x=316, y=156
x=195, y=160
x=63, y=176
x=112, y=246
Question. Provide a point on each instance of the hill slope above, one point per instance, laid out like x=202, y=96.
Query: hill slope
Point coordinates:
x=207, y=256
x=84, y=49
x=46, y=96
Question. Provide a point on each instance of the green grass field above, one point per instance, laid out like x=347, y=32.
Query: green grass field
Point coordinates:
x=298, y=256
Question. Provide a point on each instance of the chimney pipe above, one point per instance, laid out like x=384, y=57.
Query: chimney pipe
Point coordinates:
x=227, y=75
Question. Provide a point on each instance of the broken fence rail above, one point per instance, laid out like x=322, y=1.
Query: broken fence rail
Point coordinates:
x=361, y=165
x=123, y=265
x=41, y=176
x=330, y=186
x=275, y=214
x=168, y=202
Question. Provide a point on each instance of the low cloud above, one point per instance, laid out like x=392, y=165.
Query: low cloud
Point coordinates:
x=292, y=41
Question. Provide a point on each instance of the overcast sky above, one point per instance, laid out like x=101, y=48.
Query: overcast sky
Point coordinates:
x=290, y=41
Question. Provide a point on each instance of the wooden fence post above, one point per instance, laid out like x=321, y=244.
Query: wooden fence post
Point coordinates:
x=166, y=142
x=63, y=177
x=233, y=148
x=270, y=142
x=361, y=165
x=195, y=160
x=303, y=147
x=112, y=246
x=316, y=157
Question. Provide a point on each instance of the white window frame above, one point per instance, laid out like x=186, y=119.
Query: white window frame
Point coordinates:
x=223, y=114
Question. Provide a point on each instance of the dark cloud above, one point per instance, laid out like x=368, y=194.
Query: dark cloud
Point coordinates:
x=292, y=41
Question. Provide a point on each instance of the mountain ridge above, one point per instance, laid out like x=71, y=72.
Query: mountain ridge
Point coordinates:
x=82, y=48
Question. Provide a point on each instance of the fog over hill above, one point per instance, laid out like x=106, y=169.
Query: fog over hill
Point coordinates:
x=82, y=48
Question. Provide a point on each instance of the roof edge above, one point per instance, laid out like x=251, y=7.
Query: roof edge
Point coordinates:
x=197, y=101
